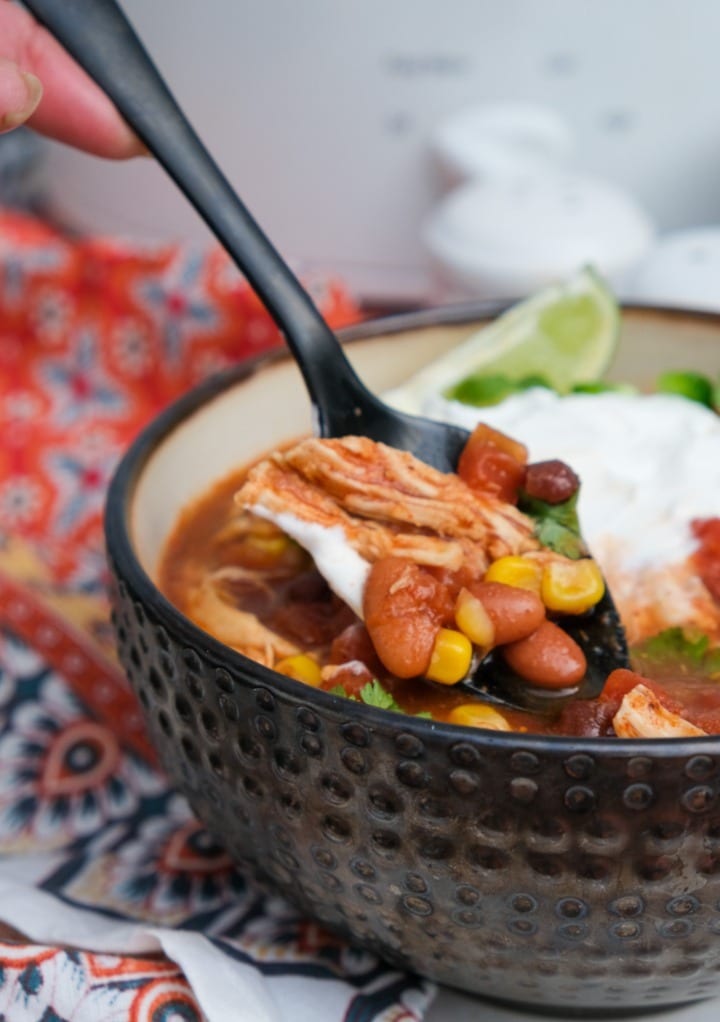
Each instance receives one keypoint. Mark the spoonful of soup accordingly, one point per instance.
(478, 578)
(99, 37)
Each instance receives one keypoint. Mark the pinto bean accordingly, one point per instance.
(552, 481)
(403, 606)
(514, 612)
(549, 658)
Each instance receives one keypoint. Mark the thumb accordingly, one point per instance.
(20, 93)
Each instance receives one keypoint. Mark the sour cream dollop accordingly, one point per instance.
(344, 570)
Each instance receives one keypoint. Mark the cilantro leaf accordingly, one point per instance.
(373, 694)
(338, 690)
(556, 525)
(481, 389)
(676, 649)
(675, 643)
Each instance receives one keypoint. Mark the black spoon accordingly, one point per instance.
(98, 35)
(102, 41)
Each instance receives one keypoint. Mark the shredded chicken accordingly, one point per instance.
(642, 715)
(237, 628)
(387, 503)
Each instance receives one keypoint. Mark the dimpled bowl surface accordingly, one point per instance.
(564, 874)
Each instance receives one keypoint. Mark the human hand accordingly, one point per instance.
(40, 85)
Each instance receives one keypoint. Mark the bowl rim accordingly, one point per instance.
(119, 547)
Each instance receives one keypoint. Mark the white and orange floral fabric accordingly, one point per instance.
(115, 904)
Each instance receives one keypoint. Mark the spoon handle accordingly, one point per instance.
(100, 38)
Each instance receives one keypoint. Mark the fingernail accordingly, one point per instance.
(33, 90)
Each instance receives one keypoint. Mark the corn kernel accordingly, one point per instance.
(571, 587)
(451, 657)
(273, 546)
(301, 667)
(478, 715)
(473, 620)
(520, 572)
(270, 551)
(257, 526)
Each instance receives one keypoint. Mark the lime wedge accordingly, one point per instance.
(566, 333)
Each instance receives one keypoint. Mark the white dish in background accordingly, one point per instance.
(337, 164)
(682, 269)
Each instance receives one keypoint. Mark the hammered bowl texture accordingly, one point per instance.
(517, 867)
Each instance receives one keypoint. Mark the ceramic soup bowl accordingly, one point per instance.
(557, 873)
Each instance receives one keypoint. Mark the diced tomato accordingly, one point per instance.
(493, 463)
(352, 677)
(707, 557)
(487, 435)
(619, 683)
(707, 531)
(622, 681)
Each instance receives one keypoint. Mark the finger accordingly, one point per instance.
(20, 93)
(72, 109)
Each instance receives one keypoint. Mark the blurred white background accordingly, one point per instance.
(324, 114)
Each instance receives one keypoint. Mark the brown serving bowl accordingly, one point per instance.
(572, 874)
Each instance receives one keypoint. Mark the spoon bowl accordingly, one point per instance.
(100, 38)
(601, 636)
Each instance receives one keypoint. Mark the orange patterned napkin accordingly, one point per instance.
(96, 851)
